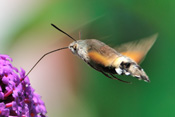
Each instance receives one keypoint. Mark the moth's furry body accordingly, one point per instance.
(109, 61)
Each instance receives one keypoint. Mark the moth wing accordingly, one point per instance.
(137, 50)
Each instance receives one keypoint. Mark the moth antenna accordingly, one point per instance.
(63, 32)
(42, 58)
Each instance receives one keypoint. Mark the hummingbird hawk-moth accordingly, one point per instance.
(123, 60)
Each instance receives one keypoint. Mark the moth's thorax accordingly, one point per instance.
(79, 48)
(84, 48)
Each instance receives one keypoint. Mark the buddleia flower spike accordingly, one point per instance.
(17, 97)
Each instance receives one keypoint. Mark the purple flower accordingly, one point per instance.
(17, 97)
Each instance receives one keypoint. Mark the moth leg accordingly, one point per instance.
(114, 77)
(106, 75)
(101, 72)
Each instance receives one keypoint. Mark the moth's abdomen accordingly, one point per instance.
(138, 72)
(126, 66)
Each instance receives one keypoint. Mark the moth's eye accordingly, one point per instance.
(75, 46)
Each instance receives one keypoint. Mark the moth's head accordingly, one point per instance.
(77, 46)
(80, 48)
(73, 47)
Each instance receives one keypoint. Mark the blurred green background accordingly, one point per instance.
(68, 86)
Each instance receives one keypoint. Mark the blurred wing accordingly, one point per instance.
(138, 49)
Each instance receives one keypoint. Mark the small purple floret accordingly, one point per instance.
(17, 97)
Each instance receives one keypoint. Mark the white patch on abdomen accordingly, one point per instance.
(119, 71)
